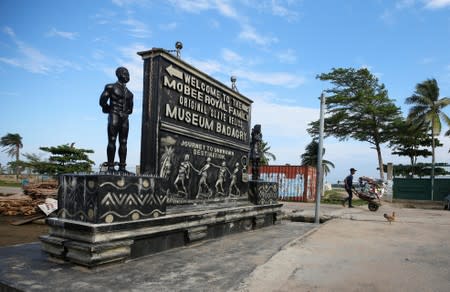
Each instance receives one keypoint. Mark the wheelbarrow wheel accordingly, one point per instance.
(373, 207)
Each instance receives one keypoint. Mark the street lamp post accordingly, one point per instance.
(319, 160)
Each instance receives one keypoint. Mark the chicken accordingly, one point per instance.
(390, 218)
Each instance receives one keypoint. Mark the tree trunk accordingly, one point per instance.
(17, 160)
(432, 162)
(412, 165)
(380, 160)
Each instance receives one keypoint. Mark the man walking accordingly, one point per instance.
(348, 185)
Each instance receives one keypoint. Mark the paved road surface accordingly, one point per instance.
(356, 251)
(362, 252)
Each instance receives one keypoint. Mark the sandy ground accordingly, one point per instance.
(10, 234)
(360, 251)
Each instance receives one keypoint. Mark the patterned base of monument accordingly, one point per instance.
(263, 192)
(92, 245)
(107, 198)
(109, 218)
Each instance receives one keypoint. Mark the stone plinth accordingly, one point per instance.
(94, 244)
(263, 192)
(107, 198)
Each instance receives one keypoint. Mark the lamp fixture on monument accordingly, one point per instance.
(233, 83)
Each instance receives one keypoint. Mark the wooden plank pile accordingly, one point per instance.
(19, 206)
(27, 203)
(41, 190)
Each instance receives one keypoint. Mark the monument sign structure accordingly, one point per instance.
(193, 184)
(195, 130)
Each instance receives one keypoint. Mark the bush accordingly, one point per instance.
(335, 196)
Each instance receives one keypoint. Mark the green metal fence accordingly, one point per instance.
(420, 188)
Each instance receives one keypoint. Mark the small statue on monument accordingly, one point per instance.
(119, 107)
(255, 150)
(234, 181)
(184, 171)
(203, 183)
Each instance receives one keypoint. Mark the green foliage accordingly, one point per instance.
(266, 155)
(9, 184)
(358, 107)
(311, 154)
(335, 197)
(412, 140)
(18, 165)
(12, 143)
(427, 108)
(63, 159)
(419, 169)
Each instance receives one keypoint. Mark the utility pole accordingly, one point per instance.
(319, 188)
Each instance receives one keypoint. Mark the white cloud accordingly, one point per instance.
(105, 17)
(137, 28)
(283, 126)
(208, 66)
(32, 60)
(194, 6)
(272, 78)
(402, 4)
(426, 61)
(98, 54)
(123, 3)
(225, 9)
(133, 62)
(286, 12)
(168, 26)
(231, 56)
(64, 34)
(287, 56)
(430, 4)
(213, 23)
(282, 121)
(9, 31)
(388, 17)
(436, 4)
(249, 33)
(6, 93)
(351, 153)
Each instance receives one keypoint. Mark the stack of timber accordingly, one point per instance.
(27, 203)
(18, 205)
(41, 190)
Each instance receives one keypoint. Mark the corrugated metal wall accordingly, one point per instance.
(420, 188)
(295, 182)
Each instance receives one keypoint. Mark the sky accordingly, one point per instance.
(56, 56)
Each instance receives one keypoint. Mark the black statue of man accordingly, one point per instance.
(255, 150)
(119, 107)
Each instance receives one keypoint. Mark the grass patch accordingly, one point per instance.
(335, 197)
(10, 184)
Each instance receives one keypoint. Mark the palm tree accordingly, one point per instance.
(12, 144)
(310, 157)
(427, 108)
(265, 154)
